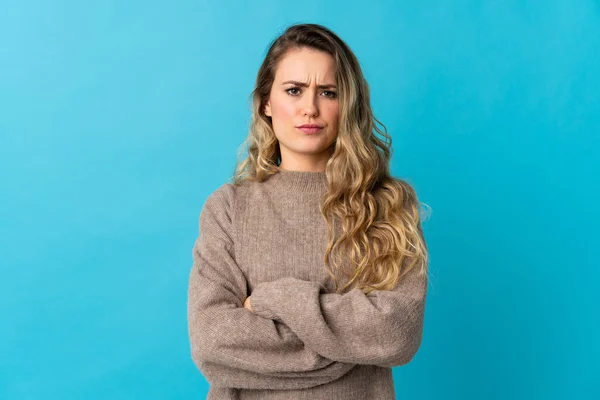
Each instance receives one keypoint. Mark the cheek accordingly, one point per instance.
(333, 114)
(281, 108)
(288, 110)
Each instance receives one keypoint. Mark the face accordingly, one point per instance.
(304, 92)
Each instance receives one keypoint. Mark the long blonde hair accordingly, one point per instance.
(380, 216)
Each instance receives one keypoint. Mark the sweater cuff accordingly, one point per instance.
(259, 301)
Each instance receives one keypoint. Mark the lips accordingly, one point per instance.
(310, 130)
(309, 126)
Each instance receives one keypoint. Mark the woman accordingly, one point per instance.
(310, 270)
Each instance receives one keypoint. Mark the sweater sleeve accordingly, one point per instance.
(230, 345)
(383, 328)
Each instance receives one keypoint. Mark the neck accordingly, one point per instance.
(300, 181)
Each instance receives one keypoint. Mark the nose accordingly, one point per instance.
(310, 106)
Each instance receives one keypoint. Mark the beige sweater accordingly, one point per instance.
(302, 340)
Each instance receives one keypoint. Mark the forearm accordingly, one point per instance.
(231, 344)
(225, 376)
(383, 329)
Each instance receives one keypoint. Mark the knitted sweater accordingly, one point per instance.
(302, 340)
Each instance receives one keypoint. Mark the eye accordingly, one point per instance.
(329, 93)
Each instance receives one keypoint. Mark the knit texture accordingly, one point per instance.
(301, 341)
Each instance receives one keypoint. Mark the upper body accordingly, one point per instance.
(301, 340)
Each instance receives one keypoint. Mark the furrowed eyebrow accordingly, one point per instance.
(302, 84)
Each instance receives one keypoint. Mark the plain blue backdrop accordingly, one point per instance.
(118, 119)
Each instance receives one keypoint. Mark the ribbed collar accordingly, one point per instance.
(300, 181)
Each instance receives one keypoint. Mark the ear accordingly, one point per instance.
(268, 108)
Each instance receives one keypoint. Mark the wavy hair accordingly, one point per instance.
(372, 217)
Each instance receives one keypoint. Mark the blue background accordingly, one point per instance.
(118, 119)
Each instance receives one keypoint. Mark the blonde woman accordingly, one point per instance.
(310, 270)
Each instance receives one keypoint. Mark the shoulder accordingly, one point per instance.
(221, 201)
(223, 196)
(228, 202)
(217, 214)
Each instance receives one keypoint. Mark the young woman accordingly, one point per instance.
(310, 270)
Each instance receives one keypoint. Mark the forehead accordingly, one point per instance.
(306, 65)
